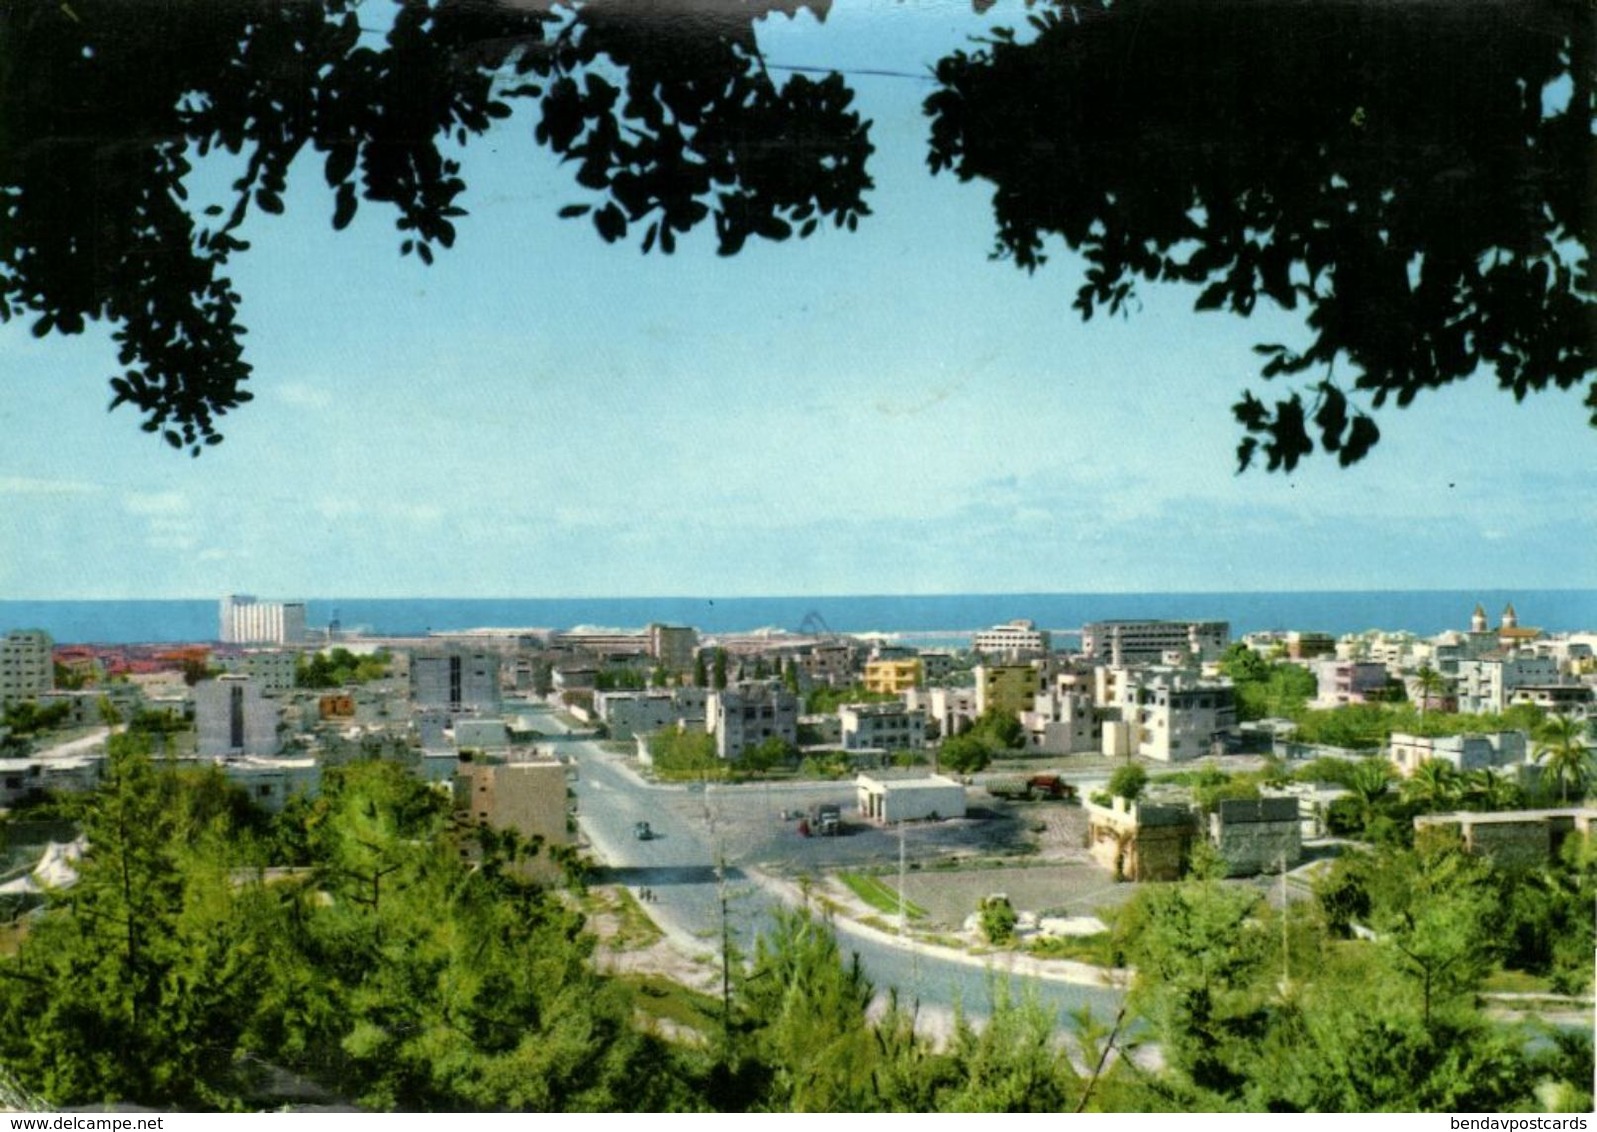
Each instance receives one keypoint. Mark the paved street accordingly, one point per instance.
(764, 857)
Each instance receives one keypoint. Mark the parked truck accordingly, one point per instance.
(826, 818)
(1023, 788)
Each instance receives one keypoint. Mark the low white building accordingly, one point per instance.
(1462, 752)
(889, 800)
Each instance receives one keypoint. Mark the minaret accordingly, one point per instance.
(1477, 622)
(1510, 618)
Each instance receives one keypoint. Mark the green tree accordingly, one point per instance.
(1430, 684)
(1433, 786)
(1564, 753)
(964, 754)
(1128, 782)
(802, 1013)
(718, 670)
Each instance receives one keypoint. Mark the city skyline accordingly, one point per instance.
(885, 411)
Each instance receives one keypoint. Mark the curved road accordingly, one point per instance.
(694, 829)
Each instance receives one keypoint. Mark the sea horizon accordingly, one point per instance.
(1421, 611)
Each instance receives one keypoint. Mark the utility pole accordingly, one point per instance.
(903, 916)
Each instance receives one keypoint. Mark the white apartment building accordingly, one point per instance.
(747, 714)
(1142, 642)
(456, 680)
(1016, 640)
(233, 717)
(246, 621)
(1342, 682)
(27, 665)
(883, 727)
(1171, 716)
(1486, 684)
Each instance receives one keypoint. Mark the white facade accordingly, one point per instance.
(746, 715)
(1342, 682)
(456, 681)
(1018, 640)
(1485, 684)
(232, 717)
(1127, 642)
(245, 621)
(1462, 752)
(909, 799)
(884, 726)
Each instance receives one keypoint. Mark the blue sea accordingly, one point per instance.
(939, 619)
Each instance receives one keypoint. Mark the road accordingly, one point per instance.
(741, 827)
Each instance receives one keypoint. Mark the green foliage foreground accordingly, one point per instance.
(399, 975)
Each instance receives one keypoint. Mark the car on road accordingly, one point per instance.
(642, 832)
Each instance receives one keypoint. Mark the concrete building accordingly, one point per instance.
(1307, 646)
(527, 796)
(1175, 717)
(1139, 841)
(1570, 698)
(889, 800)
(1514, 839)
(1485, 684)
(1062, 723)
(456, 680)
(481, 735)
(632, 713)
(882, 727)
(1343, 682)
(246, 621)
(27, 665)
(673, 647)
(1146, 642)
(1015, 641)
(831, 663)
(25, 778)
(273, 669)
(1008, 688)
(233, 717)
(946, 709)
(1257, 835)
(893, 677)
(270, 782)
(747, 714)
(1462, 752)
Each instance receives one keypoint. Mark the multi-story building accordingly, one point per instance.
(1018, 640)
(1062, 722)
(946, 709)
(632, 713)
(1008, 688)
(273, 669)
(233, 717)
(747, 714)
(1486, 683)
(528, 797)
(456, 680)
(246, 621)
(1307, 646)
(884, 727)
(1342, 682)
(1146, 642)
(27, 666)
(673, 647)
(830, 663)
(892, 677)
(1172, 716)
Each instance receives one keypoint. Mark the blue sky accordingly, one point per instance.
(539, 414)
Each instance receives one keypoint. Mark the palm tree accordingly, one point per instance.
(1369, 782)
(1433, 786)
(1428, 682)
(1561, 746)
(1491, 791)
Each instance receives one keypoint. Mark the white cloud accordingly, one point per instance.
(157, 503)
(26, 485)
(304, 396)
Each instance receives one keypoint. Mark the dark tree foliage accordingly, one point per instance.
(1389, 167)
(106, 107)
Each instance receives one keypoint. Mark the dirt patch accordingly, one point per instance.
(630, 944)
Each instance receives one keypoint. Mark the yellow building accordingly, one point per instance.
(1009, 688)
(891, 677)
